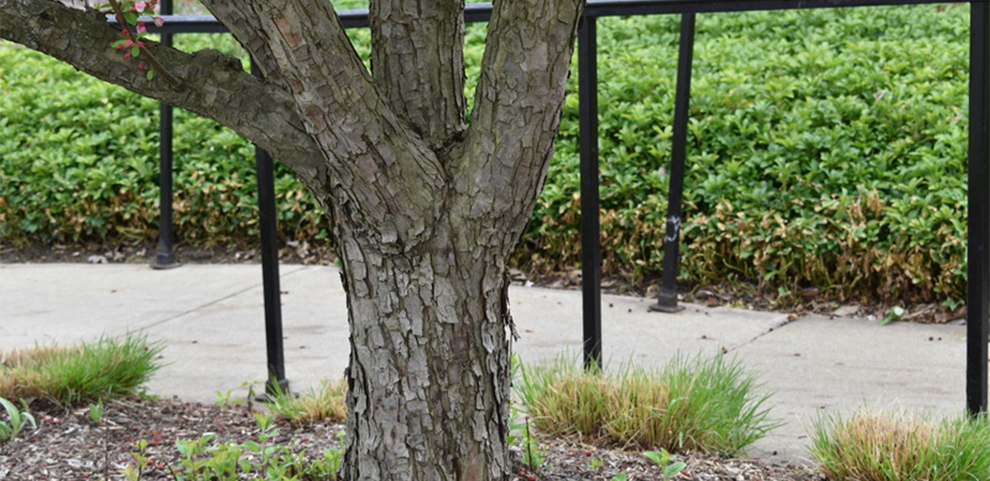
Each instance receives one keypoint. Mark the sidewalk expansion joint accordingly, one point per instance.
(791, 319)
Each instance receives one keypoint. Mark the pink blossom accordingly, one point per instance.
(130, 43)
(141, 5)
(159, 21)
(127, 56)
(141, 28)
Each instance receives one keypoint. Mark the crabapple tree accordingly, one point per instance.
(425, 206)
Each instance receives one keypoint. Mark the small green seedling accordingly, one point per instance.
(895, 313)
(134, 471)
(333, 458)
(226, 399)
(96, 412)
(664, 459)
(16, 420)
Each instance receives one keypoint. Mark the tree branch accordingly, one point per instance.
(518, 102)
(213, 85)
(417, 54)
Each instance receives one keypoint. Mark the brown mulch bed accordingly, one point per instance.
(71, 446)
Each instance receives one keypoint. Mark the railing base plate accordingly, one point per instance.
(271, 391)
(165, 261)
(665, 308)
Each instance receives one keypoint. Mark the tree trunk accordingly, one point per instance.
(425, 210)
(429, 366)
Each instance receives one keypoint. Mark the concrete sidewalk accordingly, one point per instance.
(211, 320)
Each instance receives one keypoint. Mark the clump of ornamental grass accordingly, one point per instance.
(706, 404)
(324, 404)
(900, 447)
(105, 369)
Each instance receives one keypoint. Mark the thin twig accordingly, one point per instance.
(529, 448)
(155, 65)
(171, 471)
(106, 451)
(922, 312)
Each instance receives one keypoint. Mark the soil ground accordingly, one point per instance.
(69, 444)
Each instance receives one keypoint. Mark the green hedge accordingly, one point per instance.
(826, 148)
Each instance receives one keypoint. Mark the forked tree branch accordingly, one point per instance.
(383, 174)
(244, 24)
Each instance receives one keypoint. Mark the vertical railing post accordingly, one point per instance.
(165, 252)
(276, 382)
(667, 298)
(591, 252)
(978, 295)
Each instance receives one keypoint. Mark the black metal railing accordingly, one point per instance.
(978, 295)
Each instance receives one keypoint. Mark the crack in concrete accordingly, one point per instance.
(761, 335)
(216, 301)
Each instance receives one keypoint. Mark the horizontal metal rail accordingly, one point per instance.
(608, 8)
(481, 12)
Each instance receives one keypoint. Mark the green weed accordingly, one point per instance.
(663, 459)
(203, 459)
(16, 420)
(96, 411)
(225, 399)
(523, 440)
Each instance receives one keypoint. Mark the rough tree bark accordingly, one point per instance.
(425, 209)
